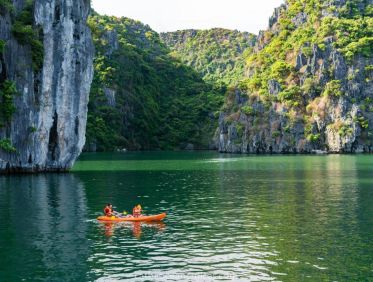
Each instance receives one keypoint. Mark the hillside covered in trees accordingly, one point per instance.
(309, 83)
(217, 54)
(142, 97)
(303, 85)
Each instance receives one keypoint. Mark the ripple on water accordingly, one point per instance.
(240, 218)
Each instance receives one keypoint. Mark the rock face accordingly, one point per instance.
(320, 101)
(47, 129)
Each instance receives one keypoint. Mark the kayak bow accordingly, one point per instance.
(157, 217)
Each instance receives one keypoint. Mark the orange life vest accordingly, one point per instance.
(136, 212)
(108, 211)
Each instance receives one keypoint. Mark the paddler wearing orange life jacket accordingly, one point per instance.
(136, 212)
(108, 210)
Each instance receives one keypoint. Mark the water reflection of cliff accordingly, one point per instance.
(43, 225)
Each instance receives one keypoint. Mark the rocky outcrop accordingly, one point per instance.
(47, 129)
(324, 103)
(111, 37)
(110, 96)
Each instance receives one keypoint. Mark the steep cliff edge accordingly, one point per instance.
(45, 76)
(309, 83)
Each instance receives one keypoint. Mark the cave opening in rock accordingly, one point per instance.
(76, 129)
(53, 138)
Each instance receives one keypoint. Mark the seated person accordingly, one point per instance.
(108, 210)
(136, 212)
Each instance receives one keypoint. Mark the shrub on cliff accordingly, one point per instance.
(26, 33)
(7, 109)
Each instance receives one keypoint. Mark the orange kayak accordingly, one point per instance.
(157, 217)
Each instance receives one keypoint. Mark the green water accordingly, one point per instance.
(230, 217)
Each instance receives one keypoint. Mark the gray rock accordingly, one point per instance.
(240, 98)
(339, 65)
(48, 128)
(189, 147)
(110, 96)
(111, 37)
(300, 61)
(276, 16)
(341, 124)
(274, 87)
(299, 19)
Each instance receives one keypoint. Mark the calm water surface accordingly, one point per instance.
(230, 217)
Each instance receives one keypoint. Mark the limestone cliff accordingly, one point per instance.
(309, 85)
(45, 76)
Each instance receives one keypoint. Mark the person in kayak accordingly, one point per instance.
(108, 210)
(136, 212)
